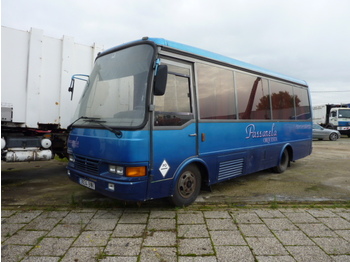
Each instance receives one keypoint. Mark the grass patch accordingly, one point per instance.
(64, 160)
(101, 255)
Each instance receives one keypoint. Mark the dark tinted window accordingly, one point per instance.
(253, 97)
(282, 98)
(216, 92)
(302, 103)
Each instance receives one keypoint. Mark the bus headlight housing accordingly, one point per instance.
(119, 170)
(131, 171)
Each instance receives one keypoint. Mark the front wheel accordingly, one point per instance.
(283, 163)
(333, 136)
(187, 187)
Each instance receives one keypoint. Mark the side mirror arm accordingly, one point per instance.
(72, 82)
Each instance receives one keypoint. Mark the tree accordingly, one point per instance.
(280, 100)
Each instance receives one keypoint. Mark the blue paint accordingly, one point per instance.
(227, 149)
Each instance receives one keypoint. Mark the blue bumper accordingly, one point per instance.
(123, 190)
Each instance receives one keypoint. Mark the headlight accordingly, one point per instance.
(119, 170)
(71, 158)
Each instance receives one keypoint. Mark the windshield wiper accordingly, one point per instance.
(69, 128)
(117, 133)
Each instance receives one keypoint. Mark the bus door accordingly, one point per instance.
(174, 134)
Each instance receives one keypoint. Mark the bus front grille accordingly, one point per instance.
(231, 168)
(86, 165)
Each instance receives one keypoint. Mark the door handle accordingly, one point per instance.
(192, 134)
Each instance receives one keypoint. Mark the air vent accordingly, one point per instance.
(230, 169)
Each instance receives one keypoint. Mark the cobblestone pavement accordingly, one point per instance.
(183, 235)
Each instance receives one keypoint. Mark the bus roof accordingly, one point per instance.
(219, 58)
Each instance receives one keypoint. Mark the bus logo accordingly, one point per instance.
(267, 135)
(74, 143)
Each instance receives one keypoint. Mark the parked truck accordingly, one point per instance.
(333, 116)
(36, 108)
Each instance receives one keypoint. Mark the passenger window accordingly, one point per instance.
(283, 100)
(302, 103)
(253, 97)
(216, 93)
(174, 107)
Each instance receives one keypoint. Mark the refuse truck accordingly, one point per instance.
(36, 108)
(333, 116)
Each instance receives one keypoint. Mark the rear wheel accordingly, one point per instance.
(187, 186)
(333, 136)
(283, 163)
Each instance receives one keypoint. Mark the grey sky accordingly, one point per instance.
(306, 39)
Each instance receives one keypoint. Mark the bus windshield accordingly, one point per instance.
(116, 90)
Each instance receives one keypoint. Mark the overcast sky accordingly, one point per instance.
(306, 39)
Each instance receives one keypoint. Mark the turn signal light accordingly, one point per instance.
(135, 171)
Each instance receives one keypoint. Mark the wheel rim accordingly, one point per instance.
(187, 184)
(333, 136)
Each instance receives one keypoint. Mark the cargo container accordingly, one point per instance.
(36, 108)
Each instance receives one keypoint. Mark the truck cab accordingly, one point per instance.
(340, 119)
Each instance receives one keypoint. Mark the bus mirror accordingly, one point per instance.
(160, 80)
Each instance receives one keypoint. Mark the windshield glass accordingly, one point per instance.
(116, 90)
(344, 113)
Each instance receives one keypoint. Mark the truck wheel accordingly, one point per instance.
(283, 163)
(187, 186)
(333, 136)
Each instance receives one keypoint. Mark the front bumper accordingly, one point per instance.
(122, 190)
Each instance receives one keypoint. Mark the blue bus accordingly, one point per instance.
(162, 119)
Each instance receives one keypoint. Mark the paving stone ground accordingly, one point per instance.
(181, 235)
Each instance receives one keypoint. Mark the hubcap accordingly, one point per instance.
(187, 184)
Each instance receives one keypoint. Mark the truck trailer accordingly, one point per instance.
(36, 108)
(333, 116)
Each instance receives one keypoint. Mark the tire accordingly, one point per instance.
(187, 187)
(283, 162)
(333, 136)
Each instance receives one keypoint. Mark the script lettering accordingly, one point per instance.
(252, 132)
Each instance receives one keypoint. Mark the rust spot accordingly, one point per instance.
(57, 103)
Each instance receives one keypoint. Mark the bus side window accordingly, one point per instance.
(302, 103)
(216, 93)
(174, 107)
(253, 97)
(283, 101)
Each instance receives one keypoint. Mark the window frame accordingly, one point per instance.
(192, 99)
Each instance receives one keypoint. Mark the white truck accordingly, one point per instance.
(36, 107)
(333, 116)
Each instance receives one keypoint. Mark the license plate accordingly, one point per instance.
(87, 183)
